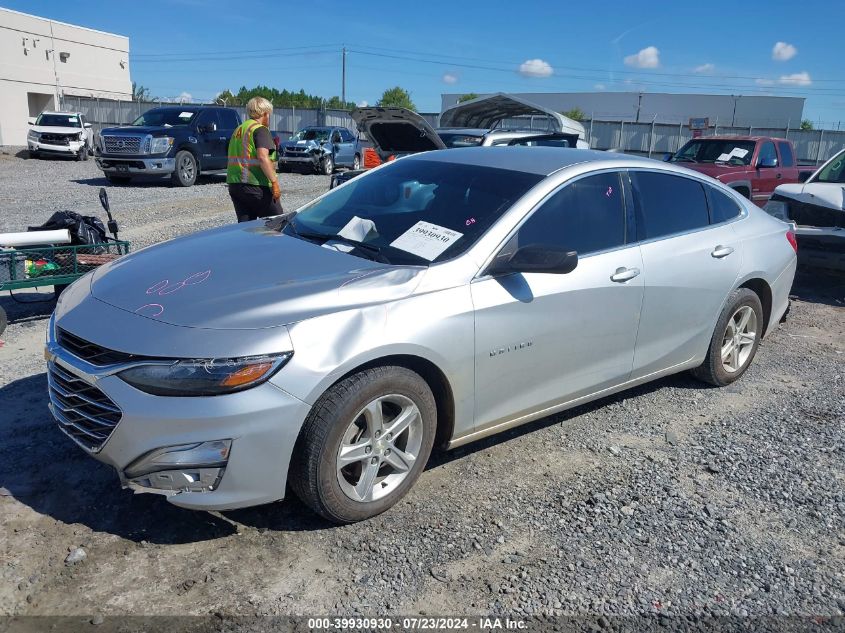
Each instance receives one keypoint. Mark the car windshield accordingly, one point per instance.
(58, 120)
(311, 134)
(413, 211)
(165, 117)
(715, 151)
(455, 139)
(834, 171)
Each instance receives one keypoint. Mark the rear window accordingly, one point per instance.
(667, 204)
(722, 206)
(786, 157)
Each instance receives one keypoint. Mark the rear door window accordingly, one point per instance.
(229, 119)
(586, 216)
(665, 204)
(722, 206)
(786, 157)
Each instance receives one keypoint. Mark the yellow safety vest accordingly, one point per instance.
(243, 165)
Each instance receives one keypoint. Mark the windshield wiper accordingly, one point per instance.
(375, 251)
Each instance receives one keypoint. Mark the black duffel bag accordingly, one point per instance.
(84, 229)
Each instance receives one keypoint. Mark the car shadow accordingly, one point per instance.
(28, 307)
(150, 181)
(817, 285)
(678, 381)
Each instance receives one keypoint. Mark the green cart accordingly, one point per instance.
(56, 266)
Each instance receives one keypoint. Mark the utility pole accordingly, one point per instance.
(343, 83)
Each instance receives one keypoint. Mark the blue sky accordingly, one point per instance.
(200, 47)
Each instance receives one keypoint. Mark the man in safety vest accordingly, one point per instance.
(251, 171)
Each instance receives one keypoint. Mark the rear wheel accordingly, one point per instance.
(185, 174)
(365, 443)
(735, 339)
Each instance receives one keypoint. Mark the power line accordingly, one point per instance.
(229, 51)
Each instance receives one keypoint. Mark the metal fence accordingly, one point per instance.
(650, 139)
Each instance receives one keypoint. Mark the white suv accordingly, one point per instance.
(62, 133)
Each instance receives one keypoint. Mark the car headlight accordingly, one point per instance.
(204, 377)
(777, 209)
(161, 145)
(99, 141)
(32, 135)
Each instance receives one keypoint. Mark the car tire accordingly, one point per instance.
(356, 162)
(736, 338)
(118, 180)
(359, 411)
(83, 154)
(327, 166)
(185, 174)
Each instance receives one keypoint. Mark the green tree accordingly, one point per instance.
(397, 97)
(467, 97)
(227, 98)
(806, 124)
(140, 93)
(576, 114)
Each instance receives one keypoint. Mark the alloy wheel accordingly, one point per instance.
(379, 448)
(186, 167)
(738, 340)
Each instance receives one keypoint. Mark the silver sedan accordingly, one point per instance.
(434, 300)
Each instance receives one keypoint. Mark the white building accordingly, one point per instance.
(41, 60)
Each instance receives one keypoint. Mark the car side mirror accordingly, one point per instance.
(536, 258)
(209, 127)
(87, 126)
(767, 162)
(667, 157)
(804, 176)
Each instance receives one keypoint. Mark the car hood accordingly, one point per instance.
(823, 194)
(141, 129)
(713, 170)
(305, 144)
(54, 129)
(245, 276)
(396, 131)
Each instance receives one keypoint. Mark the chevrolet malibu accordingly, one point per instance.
(434, 300)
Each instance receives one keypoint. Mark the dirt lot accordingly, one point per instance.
(672, 499)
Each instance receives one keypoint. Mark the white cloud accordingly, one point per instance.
(362, 104)
(184, 96)
(649, 57)
(765, 82)
(599, 87)
(704, 68)
(450, 78)
(536, 68)
(782, 51)
(796, 79)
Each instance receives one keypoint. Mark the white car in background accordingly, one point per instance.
(60, 133)
(817, 210)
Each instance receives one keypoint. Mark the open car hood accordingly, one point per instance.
(396, 131)
(485, 112)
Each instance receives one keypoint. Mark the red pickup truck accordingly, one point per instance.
(753, 165)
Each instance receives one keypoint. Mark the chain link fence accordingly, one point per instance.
(650, 139)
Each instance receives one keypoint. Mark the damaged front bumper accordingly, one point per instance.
(821, 247)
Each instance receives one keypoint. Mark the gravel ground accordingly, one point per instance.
(672, 500)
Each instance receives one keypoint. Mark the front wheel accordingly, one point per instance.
(186, 169)
(327, 166)
(735, 339)
(364, 444)
(83, 153)
(356, 163)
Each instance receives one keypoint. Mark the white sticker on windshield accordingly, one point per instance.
(739, 152)
(186, 115)
(71, 118)
(723, 158)
(358, 229)
(426, 240)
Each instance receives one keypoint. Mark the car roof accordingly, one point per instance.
(535, 160)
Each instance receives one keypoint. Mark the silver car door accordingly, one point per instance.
(543, 339)
(689, 267)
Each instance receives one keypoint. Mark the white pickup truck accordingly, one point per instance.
(60, 133)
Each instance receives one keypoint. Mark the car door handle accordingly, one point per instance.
(779, 176)
(223, 138)
(624, 274)
(721, 251)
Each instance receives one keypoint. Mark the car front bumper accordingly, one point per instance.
(262, 424)
(821, 247)
(126, 165)
(71, 149)
(311, 160)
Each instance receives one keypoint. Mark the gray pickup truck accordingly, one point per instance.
(320, 150)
